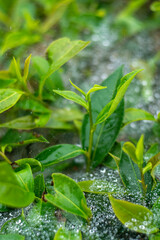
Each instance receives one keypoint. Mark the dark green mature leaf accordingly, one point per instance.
(100, 187)
(134, 114)
(156, 212)
(25, 177)
(12, 237)
(134, 216)
(73, 97)
(122, 88)
(64, 234)
(10, 185)
(58, 153)
(69, 196)
(15, 138)
(8, 98)
(129, 173)
(35, 106)
(106, 133)
(39, 185)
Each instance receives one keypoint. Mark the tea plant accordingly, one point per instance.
(101, 124)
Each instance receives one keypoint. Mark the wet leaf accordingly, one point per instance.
(69, 196)
(106, 133)
(129, 173)
(154, 236)
(58, 153)
(134, 216)
(64, 234)
(134, 114)
(10, 185)
(100, 187)
(139, 151)
(73, 97)
(8, 98)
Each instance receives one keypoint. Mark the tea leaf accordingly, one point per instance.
(139, 151)
(4, 208)
(95, 88)
(26, 68)
(155, 6)
(73, 97)
(8, 98)
(124, 84)
(15, 39)
(10, 185)
(154, 236)
(106, 133)
(58, 153)
(69, 196)
(134, 216)
(13, 236)
(134, 114)
(129, 173)
(130, 149)
(6, 82)
(78, 89)
(35, 106)
(25, 177)
(64, 234)
(14, 138)
(39, 185)
(17, 70)
(99, 187)
(60, 52)
(34, 164)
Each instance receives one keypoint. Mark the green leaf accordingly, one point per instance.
(125, 82)
(113, 158)
(73, 97)
(100, 187)
(60, 52)
(156, 212)
(106, 133)
(12, 237)
(134, 216)
(95, 88)
(15, 39)
(25, 177)
(154, 236)
(139, 151)
(35, 106)
(17, 69)
(64, 234)
(129, 173)
(6, 82)
(39, 185)
(58, 153)
(8, 98)
(78, 89)
(34, 164)
(155, 6)
(4, 208)
(151, 152)
(10, 185)
(69, 196)
(134, 114)
(130, 149)
(15, 138)
(26, 68)
(27, 122)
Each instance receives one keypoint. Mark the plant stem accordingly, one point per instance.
(91, 131)
(5, 157)
(143, 183)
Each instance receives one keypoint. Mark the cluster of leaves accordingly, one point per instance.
(104, 118)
